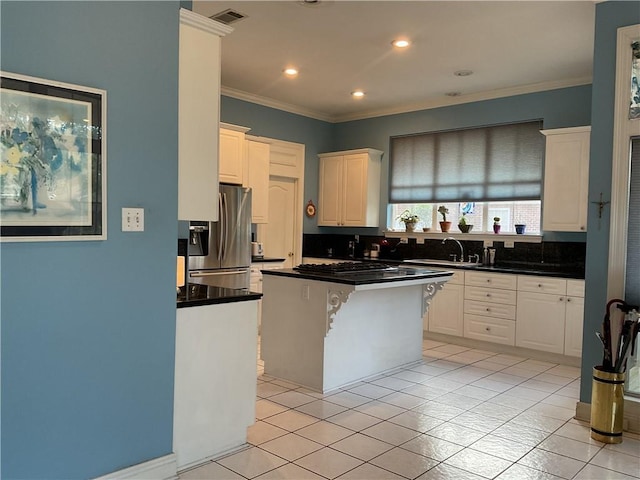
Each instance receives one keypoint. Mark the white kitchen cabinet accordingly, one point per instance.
(574, 319)
(566, 178)
(490, 307)
(233, 167)
(198, 116)
(540, 321)
(446, 312)
(215, 380)
(349, 188)
(258, 179)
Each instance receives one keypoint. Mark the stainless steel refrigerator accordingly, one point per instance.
(220, 252)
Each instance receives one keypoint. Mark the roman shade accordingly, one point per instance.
(491, 163)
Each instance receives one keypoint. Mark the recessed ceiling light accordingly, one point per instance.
(401, 43)
(357, 94)
(291, 72)
(463, 73)
(453, 94)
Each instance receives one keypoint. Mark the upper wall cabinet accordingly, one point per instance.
(233, 168)
(349, 188)
(566, 179)
(258, 178)
(198, 113)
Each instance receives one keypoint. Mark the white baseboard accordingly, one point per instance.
(161, 468)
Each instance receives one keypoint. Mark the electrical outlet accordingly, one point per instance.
(133, 219)
(404, 240)
(419, 240)
(488, 243)
(508, 244)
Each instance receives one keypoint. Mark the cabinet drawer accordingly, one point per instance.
(528, 283)
(490, 309)
(494, 330)
(575, 288)
(492, 280)
(491, 295)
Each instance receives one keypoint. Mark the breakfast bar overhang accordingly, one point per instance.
(326, 330)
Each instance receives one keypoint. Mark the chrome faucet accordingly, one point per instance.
(459, 245)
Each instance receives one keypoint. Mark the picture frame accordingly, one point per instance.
(52, 160)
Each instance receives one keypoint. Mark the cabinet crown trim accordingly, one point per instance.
(370, 151)
(235, 128)
(187, 17)
(564, 131)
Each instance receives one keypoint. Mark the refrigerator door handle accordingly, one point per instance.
(196, 273)
(221, 226)
(224, 214)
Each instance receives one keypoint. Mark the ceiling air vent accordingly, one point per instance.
(227, 16)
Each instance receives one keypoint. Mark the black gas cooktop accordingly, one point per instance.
(344, 268)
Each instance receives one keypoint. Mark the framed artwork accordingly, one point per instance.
(52, 160)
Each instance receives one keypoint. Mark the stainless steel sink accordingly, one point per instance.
(442, 263)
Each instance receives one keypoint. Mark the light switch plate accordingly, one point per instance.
(133, 219)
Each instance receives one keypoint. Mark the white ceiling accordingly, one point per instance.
(340, 46)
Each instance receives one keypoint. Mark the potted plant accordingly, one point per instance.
(496, 224)
(520, 227)
(463, 225)
(409, 219)
(444, 225)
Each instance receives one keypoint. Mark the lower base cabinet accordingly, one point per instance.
(528, 311)
(540, 320)
(215, 380)
(445, 314)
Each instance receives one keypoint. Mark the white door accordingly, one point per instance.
(279, 234)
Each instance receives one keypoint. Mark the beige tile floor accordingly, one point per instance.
(460, 414)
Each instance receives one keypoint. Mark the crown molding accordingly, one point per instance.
(187, 17)
(469, 98)
(425, 105)
(269, 102)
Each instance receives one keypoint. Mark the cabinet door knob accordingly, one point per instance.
(488, 309)
(562, 299)
(488, 280)
(488, 329)
(488, 294)
(568, 299)
(539, 285)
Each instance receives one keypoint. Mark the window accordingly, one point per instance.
(496, 171)
(480, 216)
(496, 163)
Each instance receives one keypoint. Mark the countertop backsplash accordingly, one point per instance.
(551, 256)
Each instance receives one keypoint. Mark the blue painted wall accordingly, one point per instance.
(88, 328)
(316, 135)
(568, 107)
(609, 17)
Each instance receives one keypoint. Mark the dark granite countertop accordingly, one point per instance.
(517, 268)
(402, 273)
(195, 295)
(266, 259)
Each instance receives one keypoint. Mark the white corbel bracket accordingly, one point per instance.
(428, 292)
(335, 300)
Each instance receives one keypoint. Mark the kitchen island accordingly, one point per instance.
(326, 329)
